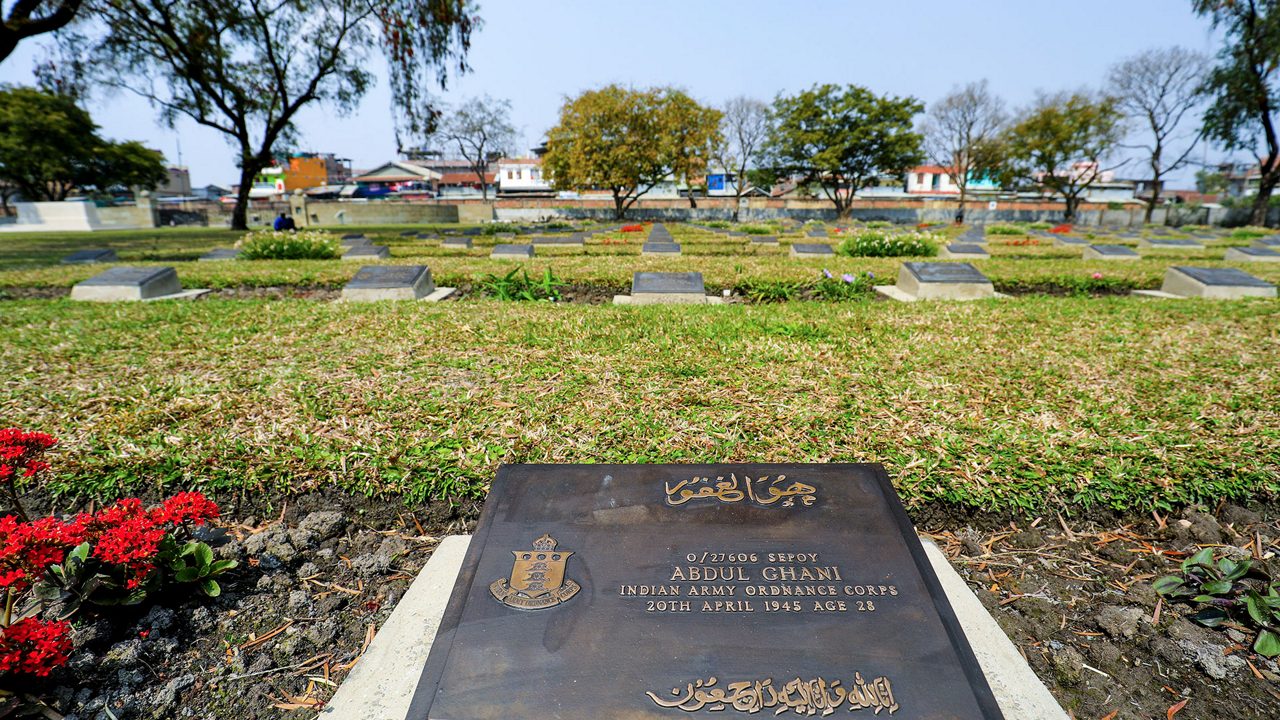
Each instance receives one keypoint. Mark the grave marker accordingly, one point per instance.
(938, 281)
(220, 254)
(367, 252)
(456, 243)
(1158, 243)
(511, 252)
(664, 591)
(91, 255)
(123, 284)
(764, 239)
(393, 282)
(1251, 254)
(1110, 252)
(811, 249)
(964, 251)
(1181, 281)
(660, 248)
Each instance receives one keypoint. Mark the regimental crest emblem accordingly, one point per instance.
(537, 578)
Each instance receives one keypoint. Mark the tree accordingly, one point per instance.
(960, 131)
(691, 132)
(50, 147)
(27, 18)
(1060, 142)
(1244, 87)
(841, 138)
(744, 129)
(246, 68)
(482, 132)
(1157, 89)
(1210, 182)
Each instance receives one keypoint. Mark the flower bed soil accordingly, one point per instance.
(314, 585)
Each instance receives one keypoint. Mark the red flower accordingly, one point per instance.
(28, 549)
(1060, 229)
(21, 451)
(34, 647)
(186, 507)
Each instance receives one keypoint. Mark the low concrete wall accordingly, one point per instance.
(124, 217)
(312, 213)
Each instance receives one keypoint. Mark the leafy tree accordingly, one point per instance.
(1158, 89)
(960, 132)
(1060, 142)
(744, 129)
(841, 138)
(1210, 182)
(27, 18)
(627, 141)
(1244, 87)
(691, 132)
(481, 131)
(50, 147)
(246, 68)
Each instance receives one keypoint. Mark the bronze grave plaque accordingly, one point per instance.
(662, 591)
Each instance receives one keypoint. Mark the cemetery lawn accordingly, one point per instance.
(1069, 404)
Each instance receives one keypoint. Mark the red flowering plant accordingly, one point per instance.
(50, 567)
(1061, 229)
(632, 228)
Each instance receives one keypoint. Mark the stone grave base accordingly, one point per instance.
(110, 293)
(949, 255)
(381, 685)
(380, 294)
(962, 292)
(667, 299)
(1236, 255)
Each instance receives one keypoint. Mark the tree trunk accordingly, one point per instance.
(960, 208)
(1262, 201)
(737, 203)
(619, 208)
(693, 202)
(1152, 202)
(1069, 215)
(240, 213)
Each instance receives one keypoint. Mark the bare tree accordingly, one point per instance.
(744, 127)
(481, 131)
(960, 131)
(1157, 89)
(33, 17)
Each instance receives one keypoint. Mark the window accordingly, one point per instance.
(519, 173)
(508, 174)
(919, 178)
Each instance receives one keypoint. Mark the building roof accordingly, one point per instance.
(520, 161)
(398, 171)
(935, 169)
(465, 178)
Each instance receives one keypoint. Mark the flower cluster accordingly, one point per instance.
(1061, 229)
(27, 549)
(20, 453)
(632, 228)
(34, 647)
(1030, 241)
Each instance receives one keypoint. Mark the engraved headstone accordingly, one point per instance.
(220, 254)
(426, 236)
(456, 243)
(389, 282)
(90, 255)
(938, 281)
(557, 240)
(660, 248)
(664, 591)
(1251, 254)
(764, 239)
(809, 249)
(131, 283)
(353, 236)
(1161, 243)
(511, 252)
(1110, 252)
(1069, 241)
(964, 251)
(816, 232)
(367, 252)
(408, 233)
(1272, 242)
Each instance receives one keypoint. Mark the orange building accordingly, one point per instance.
(311, 170)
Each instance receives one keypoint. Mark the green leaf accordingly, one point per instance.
(1257, 607)
(1167, 584)
(187, 574)
(1210, 617)
(222, 566)
(1217, 587)
(204, 554)
(79, 553)
(1267, 645)
(210, 587)
(1202, 558)
(1232, 570)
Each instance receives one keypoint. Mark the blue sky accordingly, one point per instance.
(536, 53)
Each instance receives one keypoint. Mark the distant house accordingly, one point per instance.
(312, 170)
(522, 176)
(936, 180)
(466, 184)
(398, 178)
(1242, 179)
(177, 183)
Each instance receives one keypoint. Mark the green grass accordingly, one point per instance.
(1033, 403)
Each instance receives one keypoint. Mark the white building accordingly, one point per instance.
(522, 176)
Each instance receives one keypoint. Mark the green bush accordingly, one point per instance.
(880, 244)
(289, 245)
(1040, 226)
(495, 228)
(1005, 230)
(517, 285)
(879, 224)
(718, 224)
(845, 287)
(1251, 233)
(762, 291)
(757, 230)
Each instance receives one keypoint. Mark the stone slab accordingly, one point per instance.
(353, 236)
(1251, 254)
(1215, 283)
(456, 243)
(367, 252)
(764, 239)
(1268, 243)
(389, 282)
(667, 283)
(963, 251)
(511, 252)
(408, 233)
(556, 599)
(554, 241)
(129, 283)
(1169, 244)
(942, 281)
(220, 254)
(815, 232)
(660, 248)
(91, 255)
(801, 249)
(1069, 241)
(1110, 252)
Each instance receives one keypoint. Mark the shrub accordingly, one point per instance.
(764, 291)
(496, 228)
(517, 285)
(879, 244)
(1039, 226)
(846, 287)
(289, 245)
(1005, 230)
(757, 229)
(878, 224)
(1062, 229)
(718, 224)
(632, 228)
(1250, 233)
(1229, 592)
